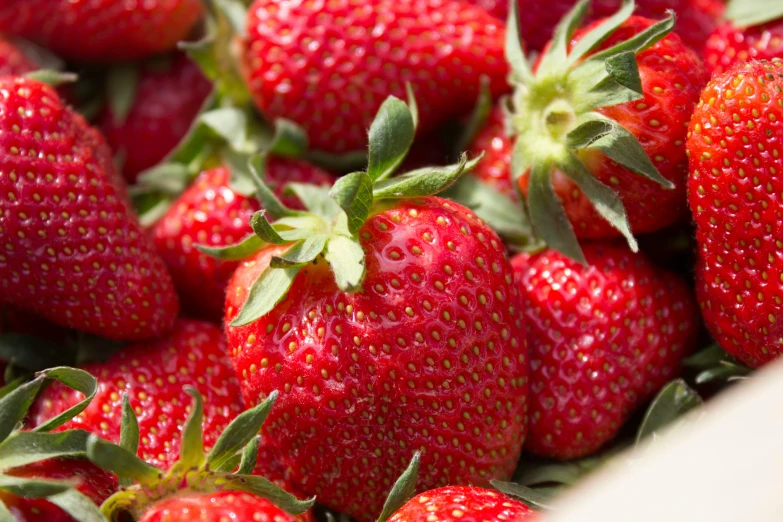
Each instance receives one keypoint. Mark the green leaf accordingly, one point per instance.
(235, 13)
(515, 53)
(289, 140)
(192, 449)
(477, 118)
(14, 406)
(32, 488)
(76, 379)
(129, 433)
(122, 83)
(228, 123)
(26, 447)
(605, 200)
(624, 69)
(708, 357)
(268, 290)
(33, 353)
(424, 182)
(79, 506)
(302, 253)
(316, 199)
(639, 42)
(51, 77)
(412, 105)
(241, 431)
(594, 38)
(354, 194)
(229, 465)
(532, 497)
(556, 58)
(391, 136)
(745, 13)
(548, 216)
(674, 400)
(249, 457)
(121, 462)
(261, 487)
(566, 473)
(623, 147)
(236, 252)
(402, 490)
(346, 257)
(169, 178)
(723, 372)
(264, 230)
(274, 207)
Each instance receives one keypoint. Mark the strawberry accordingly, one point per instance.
(218, 507)
(609, 155)
(101, 30)
(13, 60)
(94, 482)
(211, 212)
(732, 143)
(328, 66)
(751, 32)
(387, 321)
(168, 96)
(493, 139)
(153, 375)
(695, 18)
(71, 248)
(604, 338)
(460, 503)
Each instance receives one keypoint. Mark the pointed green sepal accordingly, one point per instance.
(641, 41)
(345, 256)
(745, 13)
(269, 201)
(521, 72)
(316, 199)
(122, 83)
(26, 447)
(236, 252)
(192, 447)
(52, 78)
(590, 41)
(76, 379)
(289, 139)
(249, 456)
(229, 124)
(301, 253)
(121, 462)
(129, 433)
(354, 193)
(424, 182)
(412, 105)
(403, 489)
(529, 496)
(33, 488)
(263, 229)
(262, 487)
(674, 399)
(268, 290)
(168, 178)
(391, 136)
(477, 118)
(79, 506)
(241, 431)
(556, 58)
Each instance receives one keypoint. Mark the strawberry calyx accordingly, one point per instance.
(747, 14)
(20, 447)
(328, 230)
(227, 466)
(554, 117)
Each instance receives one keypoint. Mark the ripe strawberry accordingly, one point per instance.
(101, 30)
(695, 18)
(219, 507)
(497, 146)
(167, 98)
(730, 44)
(608, 167)
(732, 143)
(604, 338)
(460, 503)
(153, 375)
(71, 248)
(13, 61)
(346, 58)
(94, 482)
(210, 212)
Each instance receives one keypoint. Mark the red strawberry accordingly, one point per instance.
(13, 61)
(167, 98)
(594, 177)
(101, 30)
(94, 482)
(733, 192)
(328, 65)
(604, 338)
(730, 44)
(71, 248)
(695, 18)
(462, 503)
(219, 507)
(431, 343)
(153, 375)
(497, 146)
(210, 212)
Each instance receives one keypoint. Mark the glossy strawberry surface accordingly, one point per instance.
(101, 30)
(168, 97)
(430, 355)
(211, 213)
(464, 504)
(328, 65)
(734, 193)
(71, 247)
(219, 507)
(603, 339)
(154, 375)
(496, 143)
(729, 44)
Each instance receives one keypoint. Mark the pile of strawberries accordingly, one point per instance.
(417, 260)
